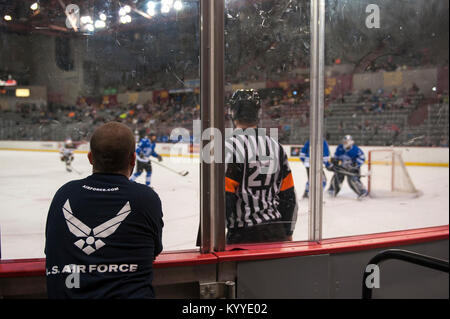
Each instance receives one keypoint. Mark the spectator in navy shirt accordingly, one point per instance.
(104, 232)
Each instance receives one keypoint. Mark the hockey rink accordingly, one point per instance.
(28, 181)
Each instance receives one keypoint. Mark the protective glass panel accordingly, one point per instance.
(386, 116)
(68, 67)
(267, 58)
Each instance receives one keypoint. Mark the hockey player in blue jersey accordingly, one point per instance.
(347, 161)
(304, 157)
(144, 150)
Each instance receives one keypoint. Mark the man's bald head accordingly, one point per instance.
(112, 148)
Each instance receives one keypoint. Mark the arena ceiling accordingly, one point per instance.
(50, 16)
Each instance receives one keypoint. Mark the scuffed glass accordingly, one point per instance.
(267, 56)
(68, 67)
(386, 87)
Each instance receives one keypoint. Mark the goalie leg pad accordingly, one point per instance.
(356, 185)
(336, 183)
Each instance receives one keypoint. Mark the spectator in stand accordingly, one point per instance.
(414, 89)
(443, 142)
(396, 131)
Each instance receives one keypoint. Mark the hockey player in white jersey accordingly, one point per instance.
(66, 154)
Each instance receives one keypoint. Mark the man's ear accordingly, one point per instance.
(132, 164)
(90, 158)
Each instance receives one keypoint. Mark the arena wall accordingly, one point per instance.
(38, 96)
(425, 79)
(65, 86)
(412, 156)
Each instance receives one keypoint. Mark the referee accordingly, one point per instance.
(261, 204)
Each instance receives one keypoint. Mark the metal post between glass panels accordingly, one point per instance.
(212, 116)
(205, 92)
(218, 121)
(316, 119)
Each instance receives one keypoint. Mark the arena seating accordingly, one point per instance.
(372, 119)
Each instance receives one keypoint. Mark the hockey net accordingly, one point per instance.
(388, 175)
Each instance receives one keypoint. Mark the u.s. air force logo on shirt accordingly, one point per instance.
(90, 241)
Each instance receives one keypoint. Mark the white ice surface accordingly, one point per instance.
(28, 181)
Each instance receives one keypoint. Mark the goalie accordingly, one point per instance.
(347, 161)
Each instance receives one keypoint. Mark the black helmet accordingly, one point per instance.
(245, 106)
(142, 133)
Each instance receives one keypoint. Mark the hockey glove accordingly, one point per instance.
(354, 168)
(160, 158)
(334, 161)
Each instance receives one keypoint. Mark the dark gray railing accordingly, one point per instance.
(404, 255)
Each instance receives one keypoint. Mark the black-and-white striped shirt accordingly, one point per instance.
(257, 171)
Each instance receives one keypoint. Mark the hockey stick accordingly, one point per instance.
(344, 172)
(182, 173)
(75, 170)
